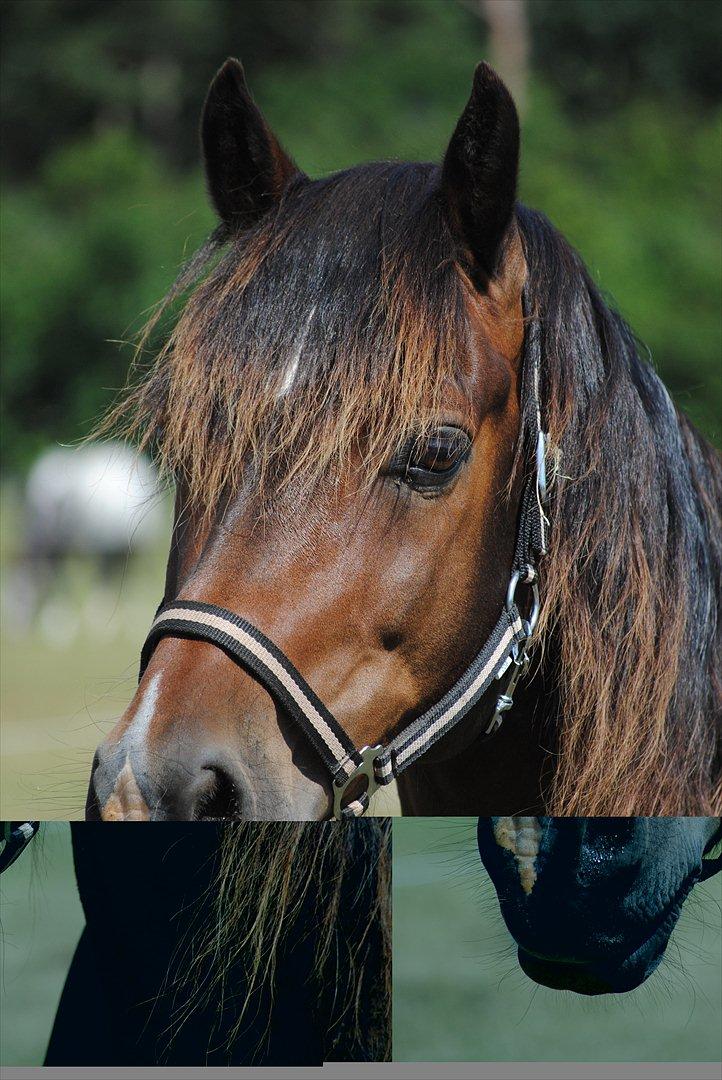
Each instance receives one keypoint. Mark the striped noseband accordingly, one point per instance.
(357, 773)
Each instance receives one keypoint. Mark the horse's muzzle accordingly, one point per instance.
(583, 977)
(189, 787)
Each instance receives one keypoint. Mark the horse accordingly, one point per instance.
(95, 501)
(591, 902)
(401, 422)
(255, 943)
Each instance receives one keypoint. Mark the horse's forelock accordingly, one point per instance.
(328, 331)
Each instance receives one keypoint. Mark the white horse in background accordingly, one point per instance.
(99, 502)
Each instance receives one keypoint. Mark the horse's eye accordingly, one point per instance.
(430, 463)
(436, 456)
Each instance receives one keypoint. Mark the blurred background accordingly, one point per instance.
(460, 995)
(103, 198)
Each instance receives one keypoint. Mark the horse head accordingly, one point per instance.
(591, 902)
(339, 408)
(347, 407)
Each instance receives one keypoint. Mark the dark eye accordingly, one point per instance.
(430, 463)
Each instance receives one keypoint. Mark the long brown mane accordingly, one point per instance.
(632, 583)
(277, 882)
(350, 285)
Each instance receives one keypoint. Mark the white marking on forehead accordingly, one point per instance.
(520, 836)
(137, 731)
(291, 371)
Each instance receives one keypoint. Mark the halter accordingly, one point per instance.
(504, 655)
(16, 835)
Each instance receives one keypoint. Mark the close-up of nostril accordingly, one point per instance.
(391, 639)
(221, 799)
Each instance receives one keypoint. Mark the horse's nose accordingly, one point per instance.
(193, 787)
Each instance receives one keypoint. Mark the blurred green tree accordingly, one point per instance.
(103, 195)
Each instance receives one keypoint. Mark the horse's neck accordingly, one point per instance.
(506, 774)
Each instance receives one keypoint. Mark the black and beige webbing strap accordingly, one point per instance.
(245, 643)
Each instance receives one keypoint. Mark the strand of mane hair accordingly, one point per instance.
(631, 624)
(269, 875)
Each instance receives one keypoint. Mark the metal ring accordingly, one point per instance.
(530, 623)
(368, 755)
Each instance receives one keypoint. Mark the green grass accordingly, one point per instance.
(459, 994)
(41, 921)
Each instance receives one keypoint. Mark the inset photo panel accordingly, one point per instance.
(197, 944)
(557, 939)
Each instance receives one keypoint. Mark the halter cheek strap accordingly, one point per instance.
(503, 656)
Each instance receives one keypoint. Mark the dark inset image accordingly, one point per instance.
(236, 944)
(561, 939)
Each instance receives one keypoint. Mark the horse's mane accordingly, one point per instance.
(280, 882)
(322, 336)
(631, 584)
(351, 287)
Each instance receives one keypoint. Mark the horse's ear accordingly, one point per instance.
(246, 167)
(480, 170)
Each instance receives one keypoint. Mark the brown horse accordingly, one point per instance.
(345, 405)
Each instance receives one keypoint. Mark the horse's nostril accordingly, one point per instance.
(391, 639)
(222, 798)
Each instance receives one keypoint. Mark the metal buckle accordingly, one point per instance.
(368, 755)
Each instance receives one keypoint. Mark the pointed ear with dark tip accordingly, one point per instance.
(246, 168)
(480, 170)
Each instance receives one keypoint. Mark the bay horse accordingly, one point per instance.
(591, 902)
(263, 943)
(394, 405)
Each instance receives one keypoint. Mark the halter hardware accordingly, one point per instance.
(517, 666)
(16, 835)
(518, 661)
(504, 654)
(366, 767)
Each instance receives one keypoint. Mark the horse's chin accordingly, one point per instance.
(590, 979)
